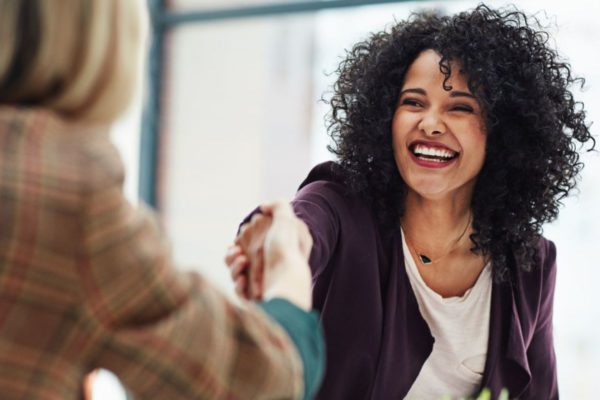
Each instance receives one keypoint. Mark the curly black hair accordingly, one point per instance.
(533, 122)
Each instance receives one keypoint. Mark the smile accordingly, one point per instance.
(432, 155)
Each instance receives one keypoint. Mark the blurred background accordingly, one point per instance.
(230, 115)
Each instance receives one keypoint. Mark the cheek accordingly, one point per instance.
(481, 142)
(477, 144)
(399, 149)
(399, 129)
(474, 133)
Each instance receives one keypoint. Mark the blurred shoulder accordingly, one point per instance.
(41, 147)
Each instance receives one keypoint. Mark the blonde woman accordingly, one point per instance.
(85, 278)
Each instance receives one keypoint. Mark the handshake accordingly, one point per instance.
(269, 257)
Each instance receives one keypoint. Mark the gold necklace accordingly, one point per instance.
(426, 260)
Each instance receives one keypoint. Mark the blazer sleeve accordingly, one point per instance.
(541, 356)
(169, 335)
(316, 204)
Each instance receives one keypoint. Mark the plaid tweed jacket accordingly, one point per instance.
(86, 282)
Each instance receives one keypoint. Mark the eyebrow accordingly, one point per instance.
(461, 94)
(415, 90)
(453, 93)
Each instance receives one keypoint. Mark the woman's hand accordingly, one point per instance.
(270, 256)
(245, 257)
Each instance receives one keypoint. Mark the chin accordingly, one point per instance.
(429, 188)
(430, 193)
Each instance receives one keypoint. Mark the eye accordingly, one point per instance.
(411, 102)
(462, 108)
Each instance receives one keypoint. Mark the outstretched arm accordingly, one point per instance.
(169, 335)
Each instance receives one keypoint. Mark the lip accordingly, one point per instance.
(428, 163)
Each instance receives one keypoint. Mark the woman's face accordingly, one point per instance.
(438, 136)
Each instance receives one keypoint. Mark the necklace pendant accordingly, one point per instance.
(424, 259)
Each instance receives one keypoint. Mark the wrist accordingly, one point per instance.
(291, 281)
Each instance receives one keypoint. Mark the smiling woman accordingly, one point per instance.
(438, 131)
(456, 139)
(438, 137)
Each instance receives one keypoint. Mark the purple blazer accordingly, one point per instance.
(376, 338)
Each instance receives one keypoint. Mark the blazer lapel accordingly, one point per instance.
(406, 337)
(507, 365)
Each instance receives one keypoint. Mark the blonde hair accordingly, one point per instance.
(79, 58)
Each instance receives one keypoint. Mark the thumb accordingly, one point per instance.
(281, 208)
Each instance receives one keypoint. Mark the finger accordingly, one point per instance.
(255, 217)
(238, 266)
(255, 274)
(277, 207)
(241, 288)
(232, 253)
(240, 233)
(260, 283)
(253, 238)
(257, 223)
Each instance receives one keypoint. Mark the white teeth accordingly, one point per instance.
(433, 151)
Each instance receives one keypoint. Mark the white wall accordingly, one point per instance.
(236, 131)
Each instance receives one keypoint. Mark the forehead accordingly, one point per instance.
(425, 72)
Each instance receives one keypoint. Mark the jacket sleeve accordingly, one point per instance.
(169, 335)
(540, 353)
(314, 204)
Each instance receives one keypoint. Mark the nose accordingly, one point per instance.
(432, 124)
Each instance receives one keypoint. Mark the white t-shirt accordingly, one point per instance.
(460, 326)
